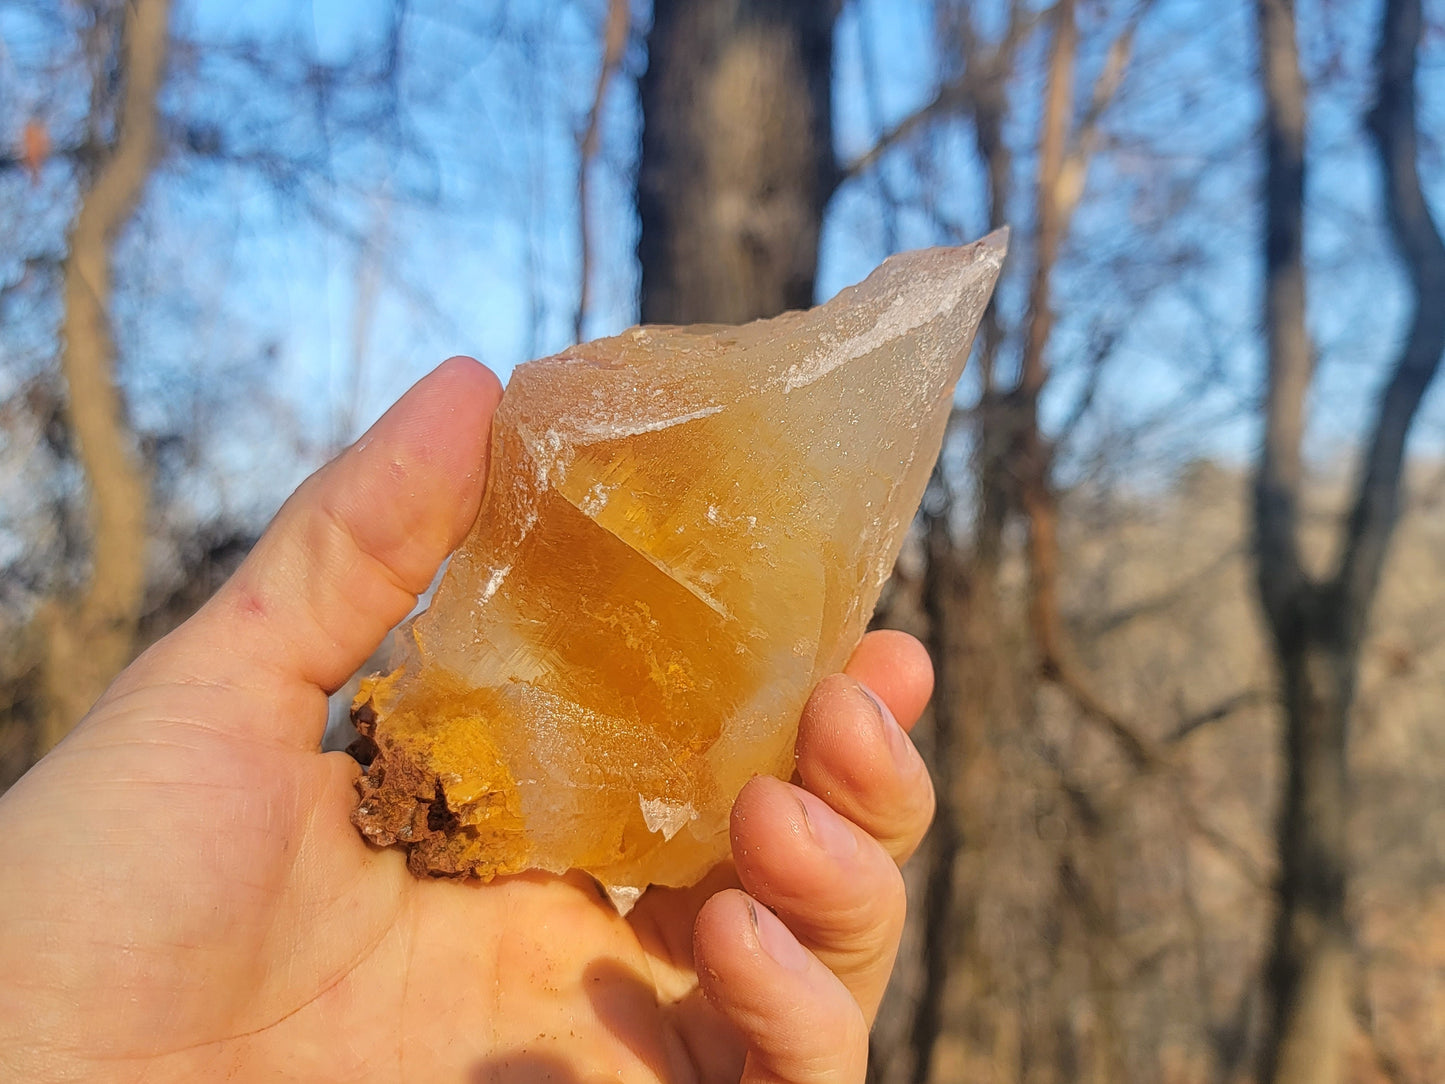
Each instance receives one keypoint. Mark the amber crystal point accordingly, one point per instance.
(684, 529)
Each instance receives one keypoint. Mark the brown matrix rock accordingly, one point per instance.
(684, 530)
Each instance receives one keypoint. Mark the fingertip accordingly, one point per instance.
(467, 384)
(743, 952)
(722, 945)
(473, 369)
(721, 921)
(851, 752)
(897, 667)
(346, 556)
(444, 423)
(839, 891)
(796, 1016)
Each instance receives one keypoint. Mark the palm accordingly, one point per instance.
(274, 922)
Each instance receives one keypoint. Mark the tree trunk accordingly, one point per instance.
(1311, 963)
(1318, 627)
(737, 161)
(945, 604)
(1309, 970)
(966, 638)
(87, 640)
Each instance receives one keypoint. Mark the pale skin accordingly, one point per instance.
(183, 897)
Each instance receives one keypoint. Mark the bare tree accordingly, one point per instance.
(614, 42)
(1318, 623)
(1065, 150)
(1014, 465)
(959, 597)
(87, 638)
(133, 123)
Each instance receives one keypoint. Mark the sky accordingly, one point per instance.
(469, 242)
(1206, 108)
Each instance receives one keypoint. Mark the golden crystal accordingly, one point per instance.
(684, 529)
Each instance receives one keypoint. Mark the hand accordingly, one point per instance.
(182, 895)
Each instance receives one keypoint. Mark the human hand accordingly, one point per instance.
(183, 897)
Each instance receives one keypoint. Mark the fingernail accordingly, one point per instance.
(893, 735)
(828, 829)
(777, 940)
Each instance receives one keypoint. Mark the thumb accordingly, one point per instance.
(799, 1021)
(348, 554)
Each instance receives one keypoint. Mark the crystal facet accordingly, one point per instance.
(683, 531)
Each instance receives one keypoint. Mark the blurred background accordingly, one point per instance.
(1181, 567)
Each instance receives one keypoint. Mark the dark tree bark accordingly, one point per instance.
(737, 160)
(1318, 625)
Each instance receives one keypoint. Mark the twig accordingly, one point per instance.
(1164, 601)
(614, 41)
(1106, 86)
(951, 98)
(886, 196)
(1385, 1060)
(1217, 713)
(1068, 677)
(1393, 124)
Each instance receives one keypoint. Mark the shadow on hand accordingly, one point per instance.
(526, 1067)
(684, 1040)
(679, 1041)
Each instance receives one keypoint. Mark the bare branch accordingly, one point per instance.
(1393, 124)
(14, 163)
(1243, 862)
(1059, 667)
(1278, 484)
(1056, 659)
(955, 96)
(1101, 349)
(1163, 601)
(370, 258)
(887, 199)
(1364, 1012)
(989, 110)
(1095, 813)
(614, 41)
(1106, 86)
(1216, 713)
(951, 99)
(1052, 214)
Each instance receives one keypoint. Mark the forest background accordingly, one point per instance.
(1181, 567)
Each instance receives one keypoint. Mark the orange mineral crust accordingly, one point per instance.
(684, 530)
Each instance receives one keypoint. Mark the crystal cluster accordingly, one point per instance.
(684, 530)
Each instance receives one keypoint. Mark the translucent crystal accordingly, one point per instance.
(684, 530)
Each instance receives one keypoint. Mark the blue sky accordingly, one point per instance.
(493, 95)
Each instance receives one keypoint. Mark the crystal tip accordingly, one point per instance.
(997, 241)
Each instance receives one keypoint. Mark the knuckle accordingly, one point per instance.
(926, 798)
(869, 925)
(912, 822)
